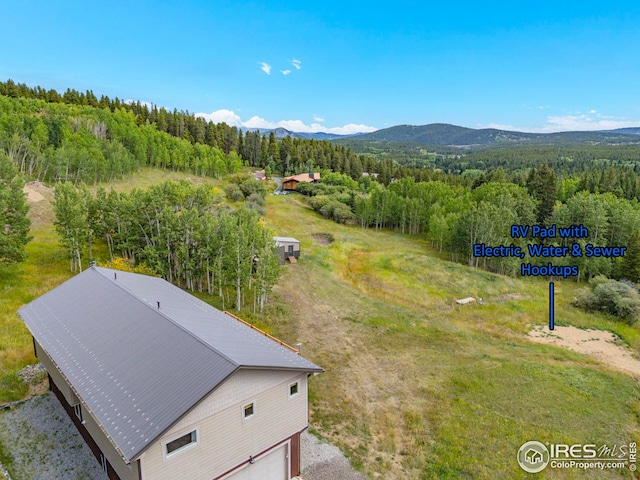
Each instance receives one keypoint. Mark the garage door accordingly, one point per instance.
(270, 466)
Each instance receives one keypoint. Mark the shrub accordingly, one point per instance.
(257, 199)
(233, 192)
(345, 198)
(343, 214)
(334, 178)
(337, 211)
(251, 186)
(256, 207)
(329, 207)
(612, 297)
(318, 202)
(238, 178)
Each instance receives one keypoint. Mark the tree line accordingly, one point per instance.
(57, 142)
(186, 136)
(180, 231)
(457, 217)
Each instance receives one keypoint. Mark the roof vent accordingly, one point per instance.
(158, 305)
(115, 276)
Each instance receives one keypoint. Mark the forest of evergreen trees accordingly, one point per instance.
(456, 217)
(458, 201)
(35, 123)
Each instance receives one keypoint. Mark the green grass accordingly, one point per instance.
(45, 267)
(417, 386)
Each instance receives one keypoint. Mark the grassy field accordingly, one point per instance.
(416, 386)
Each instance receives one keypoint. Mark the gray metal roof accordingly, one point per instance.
(139, 369)
(286, 239)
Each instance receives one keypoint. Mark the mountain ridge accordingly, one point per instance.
(444, 134)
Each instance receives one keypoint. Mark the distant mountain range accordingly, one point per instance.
(443, 134)
(281, 133)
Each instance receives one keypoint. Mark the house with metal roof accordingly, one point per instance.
(162, 386)
(288, 248)
(290, 183)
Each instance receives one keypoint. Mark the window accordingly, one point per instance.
(248, 411)
(180, 442)
(294, 388)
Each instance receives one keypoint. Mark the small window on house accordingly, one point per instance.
(294, 388)
(180, 442)
(78, 411)
(248, 411)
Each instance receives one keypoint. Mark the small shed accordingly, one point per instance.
(288, 249)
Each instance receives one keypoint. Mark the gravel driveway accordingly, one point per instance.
(324, 461)
(45, 445)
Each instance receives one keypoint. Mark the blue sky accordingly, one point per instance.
(341, 66)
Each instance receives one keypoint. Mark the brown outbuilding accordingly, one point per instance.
(290, 183)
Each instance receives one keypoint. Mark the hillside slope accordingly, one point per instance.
(419, 387)
(415, 386)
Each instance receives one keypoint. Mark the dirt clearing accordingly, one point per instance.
(39, 198)
(598, 344)
(33, 195)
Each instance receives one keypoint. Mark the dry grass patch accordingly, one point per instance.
(418, 388)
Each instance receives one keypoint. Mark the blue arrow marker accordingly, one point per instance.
(551, 324)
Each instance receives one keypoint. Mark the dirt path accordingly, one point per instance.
(598, 344)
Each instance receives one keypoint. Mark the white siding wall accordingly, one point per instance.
(226, 439)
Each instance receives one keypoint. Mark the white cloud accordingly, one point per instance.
(257, 122)
(265, 67)
(318, 119)
(231, 118)
(583, 122)
(285, 72)
(227, 116)
(296, 63)
(352, 128)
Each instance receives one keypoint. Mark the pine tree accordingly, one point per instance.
(630, 269)
(14, 223)
(542, 187)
